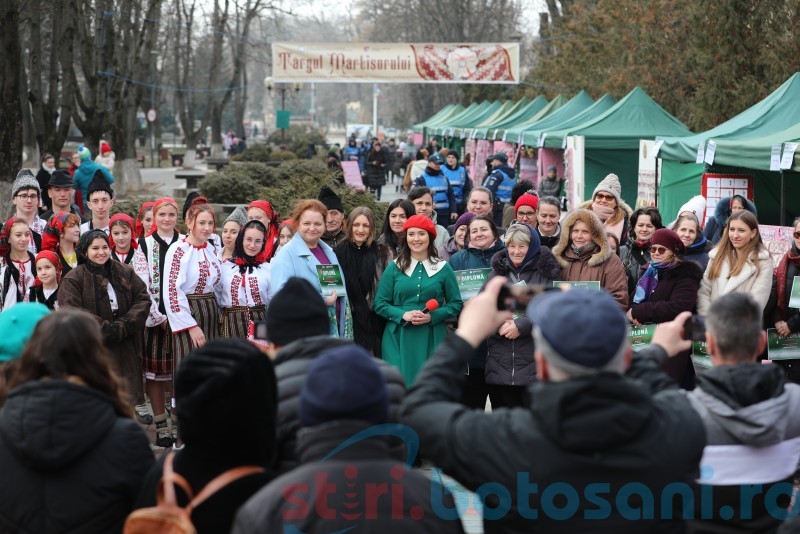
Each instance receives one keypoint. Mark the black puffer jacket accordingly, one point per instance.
(68, 462)
(291, 366)
(509, 362)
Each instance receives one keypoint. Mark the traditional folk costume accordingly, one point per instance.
(16, 277)
(245, 291)
(193, 275)
(122, 257)
(48, 297)
(149, 261)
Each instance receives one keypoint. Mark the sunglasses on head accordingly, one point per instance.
(656, 249)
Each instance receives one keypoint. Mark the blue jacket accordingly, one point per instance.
(84, 175)
(459, 181)
(473, 258)
(351, 153)
(500, 182)
(444, 201)
(296, 259)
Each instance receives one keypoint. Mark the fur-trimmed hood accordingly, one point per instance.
(723, 210)
(562, 251)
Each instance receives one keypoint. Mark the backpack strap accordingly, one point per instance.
(165, 493)
(220, 482)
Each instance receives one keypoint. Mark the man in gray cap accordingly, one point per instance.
(604, 434)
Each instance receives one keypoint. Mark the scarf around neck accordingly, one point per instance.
(649, 280)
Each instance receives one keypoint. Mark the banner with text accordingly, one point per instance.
(396, 62)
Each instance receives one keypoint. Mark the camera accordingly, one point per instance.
(694, 328)
(516, 297)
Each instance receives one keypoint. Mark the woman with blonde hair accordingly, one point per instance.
(739, 263)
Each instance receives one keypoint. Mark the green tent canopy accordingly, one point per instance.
(578, 103)
(512, 134)
(469, 117)
(778, 111)
(754, 152)
(635, 117)
(555, 138)
(520, 116)
(507, 109)
(442, 114)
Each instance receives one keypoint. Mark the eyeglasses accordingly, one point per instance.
(658, 250)
(525, 214)
(601, 196)
(28, 197)
(796, 235)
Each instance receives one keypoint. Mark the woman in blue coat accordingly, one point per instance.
(301, 256)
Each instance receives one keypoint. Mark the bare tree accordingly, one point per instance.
(10, 108)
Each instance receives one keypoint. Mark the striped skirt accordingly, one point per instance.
(159, 359)
(206, 312)
(236, 320)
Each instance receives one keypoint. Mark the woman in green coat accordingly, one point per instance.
(410, 281)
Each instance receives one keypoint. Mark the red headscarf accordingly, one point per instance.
(272, 230)
(127, 220)
(138, 228)
(5, 233)
(50, 256)
(157, 205)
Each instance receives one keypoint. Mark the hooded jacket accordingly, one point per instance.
(597, 264)
(607, 429)
(716, 224)
(68, 462)
(509, 362)
(755, 279)
(291, 367)
(345, 478)
(749, 414)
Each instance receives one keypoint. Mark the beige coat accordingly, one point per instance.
(757, 286)
(599, 264)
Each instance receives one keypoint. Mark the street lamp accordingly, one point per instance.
(271, 86)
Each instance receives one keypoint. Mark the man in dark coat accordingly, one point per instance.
(298, 328)
(596, 446)
(348, 478)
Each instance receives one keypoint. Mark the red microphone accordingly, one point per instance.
(430, 306)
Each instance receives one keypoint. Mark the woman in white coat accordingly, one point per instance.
(739, 263)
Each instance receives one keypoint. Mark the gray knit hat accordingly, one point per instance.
(610, 184)
(25, 180)
(238, 215)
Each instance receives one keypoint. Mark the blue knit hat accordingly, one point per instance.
(84, 153)
(344, 383)
(581, 331)
(16, 327)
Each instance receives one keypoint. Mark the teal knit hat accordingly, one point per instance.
(84, 153)
(16, 327)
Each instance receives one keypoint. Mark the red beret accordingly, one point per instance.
(422, 222)
(527, 200)
(667, 238)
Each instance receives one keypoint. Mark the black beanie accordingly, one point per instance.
(330, 199)
(98, 183)
(344, 383)
(232, 381)
(295, 312)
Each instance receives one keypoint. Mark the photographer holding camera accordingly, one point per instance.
(599, 416)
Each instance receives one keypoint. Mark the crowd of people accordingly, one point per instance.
(161, 320)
